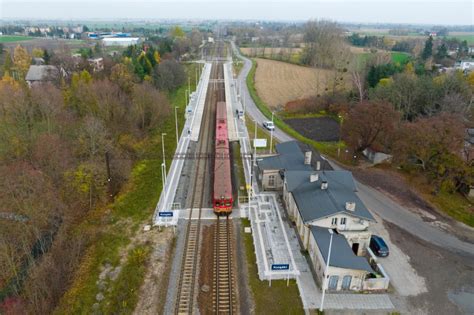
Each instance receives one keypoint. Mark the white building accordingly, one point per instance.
(120, 41)
(319, 201)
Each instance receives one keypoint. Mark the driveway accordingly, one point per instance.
(380, 204)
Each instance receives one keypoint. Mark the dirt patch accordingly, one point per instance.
(317, 128)
(445, 272)
(153, 290)
(49, 44)
(279, 82)
(253, 51)
(205, 274)
(398, 188)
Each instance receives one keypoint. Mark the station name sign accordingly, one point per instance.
(280, 267)
(165, 214)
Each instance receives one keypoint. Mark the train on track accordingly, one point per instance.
(222, 199)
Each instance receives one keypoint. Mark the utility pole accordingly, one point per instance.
(176, 120)
(326, 271)
(271, 135)
(109, 177)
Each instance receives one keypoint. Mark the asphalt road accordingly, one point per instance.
(375, 200)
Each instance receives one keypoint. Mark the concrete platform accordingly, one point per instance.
(198, 107)
(192, 123)
(230, 99)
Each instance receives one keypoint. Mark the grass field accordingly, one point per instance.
(279, 82)
(14, 38)
(275, 300)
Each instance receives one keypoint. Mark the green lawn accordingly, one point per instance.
(134, 206)
(400, 57)
(261, 134)
(468, 37)
(14, 38)
(274, 300)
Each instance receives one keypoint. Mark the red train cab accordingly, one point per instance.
(222, 194)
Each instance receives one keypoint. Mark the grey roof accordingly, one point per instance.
(289, 157)
(342, 255)
(316, 203)
(40, 73)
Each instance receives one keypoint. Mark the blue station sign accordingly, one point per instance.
(280, 267)
(165, 214)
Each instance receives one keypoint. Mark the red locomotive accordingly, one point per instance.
(222, 197)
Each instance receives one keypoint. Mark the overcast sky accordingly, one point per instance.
(453, 12)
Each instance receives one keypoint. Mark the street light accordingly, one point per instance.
(163, 147)
(326, 270)
(176, 120)
(340, 132)
(271, 134)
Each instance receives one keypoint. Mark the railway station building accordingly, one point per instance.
(319, 201)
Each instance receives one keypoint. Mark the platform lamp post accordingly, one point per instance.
(271, 135)
(163, 149)
(326, 270)
(176, 123)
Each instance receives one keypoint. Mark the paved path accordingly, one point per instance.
(376, 201)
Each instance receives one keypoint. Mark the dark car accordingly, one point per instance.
(378, 246)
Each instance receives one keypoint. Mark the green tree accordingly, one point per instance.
(442, 52)
(428, 50)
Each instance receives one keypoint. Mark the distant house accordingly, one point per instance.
(97, 64)
(465, 65)
(376, 157)
(38, 61)
(289, 157)
(120, 41)
(40, 74)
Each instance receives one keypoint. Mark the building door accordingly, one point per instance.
(346, 282)
(355, 248)
(333, 280)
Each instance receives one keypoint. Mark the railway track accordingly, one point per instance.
(224, 297)
(190, 259)
(223, 293)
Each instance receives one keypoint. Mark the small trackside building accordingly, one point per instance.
(271, 169)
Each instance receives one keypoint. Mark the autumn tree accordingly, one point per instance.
(168, 75)
(434, 144)
(49, 101)
(369, 124)
(21, 62)
(149, 106)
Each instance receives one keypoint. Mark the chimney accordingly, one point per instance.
(313, 177)
(324, 185)
(350, 206)
(318, 165)
(307, 158)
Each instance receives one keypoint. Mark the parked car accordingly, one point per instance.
(378, 246)
(269, 125)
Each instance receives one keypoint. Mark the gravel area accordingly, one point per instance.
(449, 277)
(395, 186)
(175, 269)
